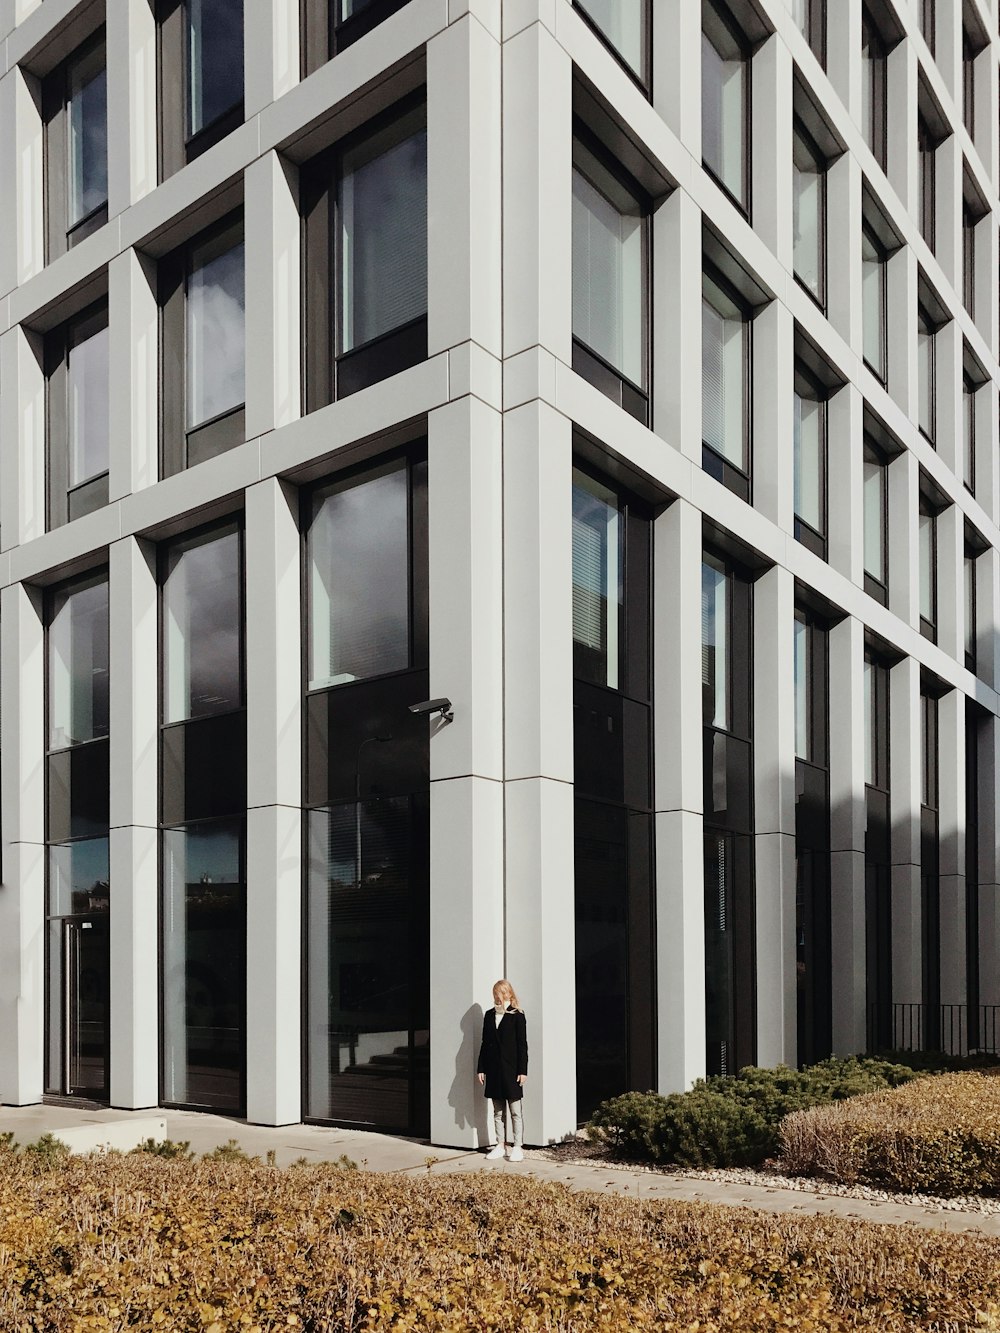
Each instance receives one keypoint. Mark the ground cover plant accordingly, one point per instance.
(938, 1135)
(732, 1121)
(224, 1245)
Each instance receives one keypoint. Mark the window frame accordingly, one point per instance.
(878, 61)
(927, 146)
(726, 19)
(928, 24)
(969, 224)
(880, 371)
(387, 354)
(877, 722)
(644, 77)
(60, 236)
(324, 36)
(928, 625)
(92, 492)
(927, 327)
(736, 479)
(969, 391)
(801, 138)
(175, 148)
(971, 635)
(815, 29)
(225, 431)
(874, 586)
(588, 363)
(969, 54)
(810, 537)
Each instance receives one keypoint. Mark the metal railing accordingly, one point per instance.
(953, 1029)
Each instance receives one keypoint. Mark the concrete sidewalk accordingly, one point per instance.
(380, 1152)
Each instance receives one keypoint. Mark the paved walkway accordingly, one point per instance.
(380, 1152)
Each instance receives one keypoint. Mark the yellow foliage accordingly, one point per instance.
(938, 1135)
(223, 1246)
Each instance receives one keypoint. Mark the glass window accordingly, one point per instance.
(875, 479)
(970, 609)
(928, 23)
(802, 687)
(969, 82)
(202, 626)
(969, 432)
(624, 24)
(928, 180)
(87, 408)
(78, 663)
(725, 76)
(608, 269)
(204, 965)
(597, 582)
(926, 368)
(927, 537)
(808, 16)
(873, 87)
(382, 232)
(873, 301)
(358, 558)
(809, 455)
(715, 643)
(809, 214)
(969, 260)
(724, 406)
(215, 60)
(215, 339)
(87, 141)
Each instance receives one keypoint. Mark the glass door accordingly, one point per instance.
(84, 1006)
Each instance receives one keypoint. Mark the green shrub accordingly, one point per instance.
(732, 1121)
(230, 1151)
(46, 1152)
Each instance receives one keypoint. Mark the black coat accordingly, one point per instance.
(503, 1055)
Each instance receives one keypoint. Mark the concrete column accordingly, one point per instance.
(901, 343)
(843, 263)
(677, 282)
(984, 284)
(465, 527)
(22, 894)
(847, 837)
(464, 179)
(134, 820)
(133, 421)
(951, 847)
(948, 46)
(538, 764)
(22, 166)
(273, 294)
(904, 564)
(677, 70)
(774, 814)
(679, 798)
(774, 414)
(948, 166)
(274, 806)
(131, 42)
(950, 525)
(843, 54)
(904, 813)
(949, 408)
(537, 212)
(271, 52)
(771, 135)
(902, 125)
(22, 425)
(845, 455)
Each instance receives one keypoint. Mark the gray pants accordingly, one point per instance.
(516, 1121)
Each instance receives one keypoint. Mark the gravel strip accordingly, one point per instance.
(582, 1153)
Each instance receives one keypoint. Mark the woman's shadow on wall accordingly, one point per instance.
(465, 1096)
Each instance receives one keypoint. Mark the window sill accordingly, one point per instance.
(596, 371)
(732, 477)
(376, 360)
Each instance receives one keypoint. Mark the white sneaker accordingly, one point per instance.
(494, 1153)
(515, 1155)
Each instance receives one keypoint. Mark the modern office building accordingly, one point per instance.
(619, 380)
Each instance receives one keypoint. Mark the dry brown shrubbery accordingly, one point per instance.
(217, 1246)
(939, 1135)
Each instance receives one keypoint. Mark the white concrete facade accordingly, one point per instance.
(503, 413)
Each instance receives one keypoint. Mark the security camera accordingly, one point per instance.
(431, 706)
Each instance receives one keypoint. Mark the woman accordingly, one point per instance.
(503, 1066)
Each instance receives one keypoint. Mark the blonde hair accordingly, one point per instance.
(507, 992)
